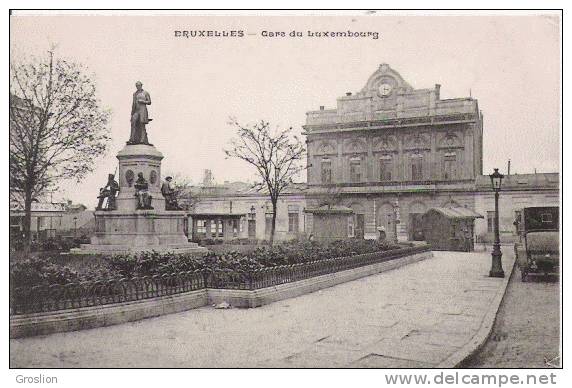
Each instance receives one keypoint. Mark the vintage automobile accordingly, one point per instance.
(538, 251)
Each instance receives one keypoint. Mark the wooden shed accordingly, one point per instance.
(450, 229)
(331, 223)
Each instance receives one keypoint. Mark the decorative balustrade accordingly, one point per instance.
(86, 294)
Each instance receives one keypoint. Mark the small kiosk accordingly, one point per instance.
(450, 229)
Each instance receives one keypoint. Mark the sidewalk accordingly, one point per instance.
(416, 316)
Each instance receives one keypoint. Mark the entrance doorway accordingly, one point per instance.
(252, 229)
(360, 226)
(416, 227)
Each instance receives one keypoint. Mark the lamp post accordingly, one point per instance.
(395, 221)
(75, 226)
(496, 268)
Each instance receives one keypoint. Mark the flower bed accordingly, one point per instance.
(39, 285)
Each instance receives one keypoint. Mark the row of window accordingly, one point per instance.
(386, 168)
(214, 228)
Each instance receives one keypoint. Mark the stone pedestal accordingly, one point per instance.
(130, 230)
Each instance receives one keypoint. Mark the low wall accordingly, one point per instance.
(28, 325)
(97, 316)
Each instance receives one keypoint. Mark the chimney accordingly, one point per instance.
(508, 167)
(321, 107)
(438, 91)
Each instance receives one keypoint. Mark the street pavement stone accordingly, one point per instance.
(413, 316)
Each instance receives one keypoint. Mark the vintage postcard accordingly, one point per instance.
(327, 189)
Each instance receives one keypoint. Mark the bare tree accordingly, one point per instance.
(332, 197)
(275, 154)
(57, 128)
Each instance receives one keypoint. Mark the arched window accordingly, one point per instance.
(416, 167)
(385, 168)
(355, 170)
(449, 165)
(326, 171)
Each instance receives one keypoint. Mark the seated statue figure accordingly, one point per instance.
(142, 193)
(171, 202)
(109, 191)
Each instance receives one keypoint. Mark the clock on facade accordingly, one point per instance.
(385, 89)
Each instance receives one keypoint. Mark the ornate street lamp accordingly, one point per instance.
(496, 268)
(395, 221)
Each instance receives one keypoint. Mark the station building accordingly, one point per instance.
(391, 152)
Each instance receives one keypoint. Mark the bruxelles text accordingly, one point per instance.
(275, 34)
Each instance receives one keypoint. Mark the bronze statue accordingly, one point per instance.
(109, 191)
(171, 202)
(142, 193)
(139, 115)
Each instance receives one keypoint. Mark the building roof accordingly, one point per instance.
(402, 105)
(230, 189)
(218, 214)
(521, 181)
(325, 209)
(37, 207)
(456, 212)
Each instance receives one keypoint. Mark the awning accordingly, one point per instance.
(456, 212)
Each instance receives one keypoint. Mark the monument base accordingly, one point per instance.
(137, 231)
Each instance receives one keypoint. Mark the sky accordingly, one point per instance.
(511, 64)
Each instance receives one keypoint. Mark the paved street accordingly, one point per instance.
(414, 316)
(527, 331)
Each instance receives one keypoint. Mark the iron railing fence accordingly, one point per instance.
(94, 293)
(273, 276)
(55, 297)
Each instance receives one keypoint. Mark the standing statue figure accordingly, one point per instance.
(142, 193)
(171, 202)
(109, 191)
(139, 115)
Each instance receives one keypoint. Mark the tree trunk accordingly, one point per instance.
(274, 208)
(27, 221)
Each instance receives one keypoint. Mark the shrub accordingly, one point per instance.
(40, 272)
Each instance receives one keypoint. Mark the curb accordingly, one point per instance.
(480, 338)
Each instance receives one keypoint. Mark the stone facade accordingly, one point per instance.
(393, 152)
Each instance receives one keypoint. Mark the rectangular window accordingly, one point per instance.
(490, 222)
(219, 227)
(449, 166)
(201, 226)
(355, 170)
(235, 227)
(351, 228)
(326, 171)
(385, 168)
(417, 167)
(212, 228)
(293, 222)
